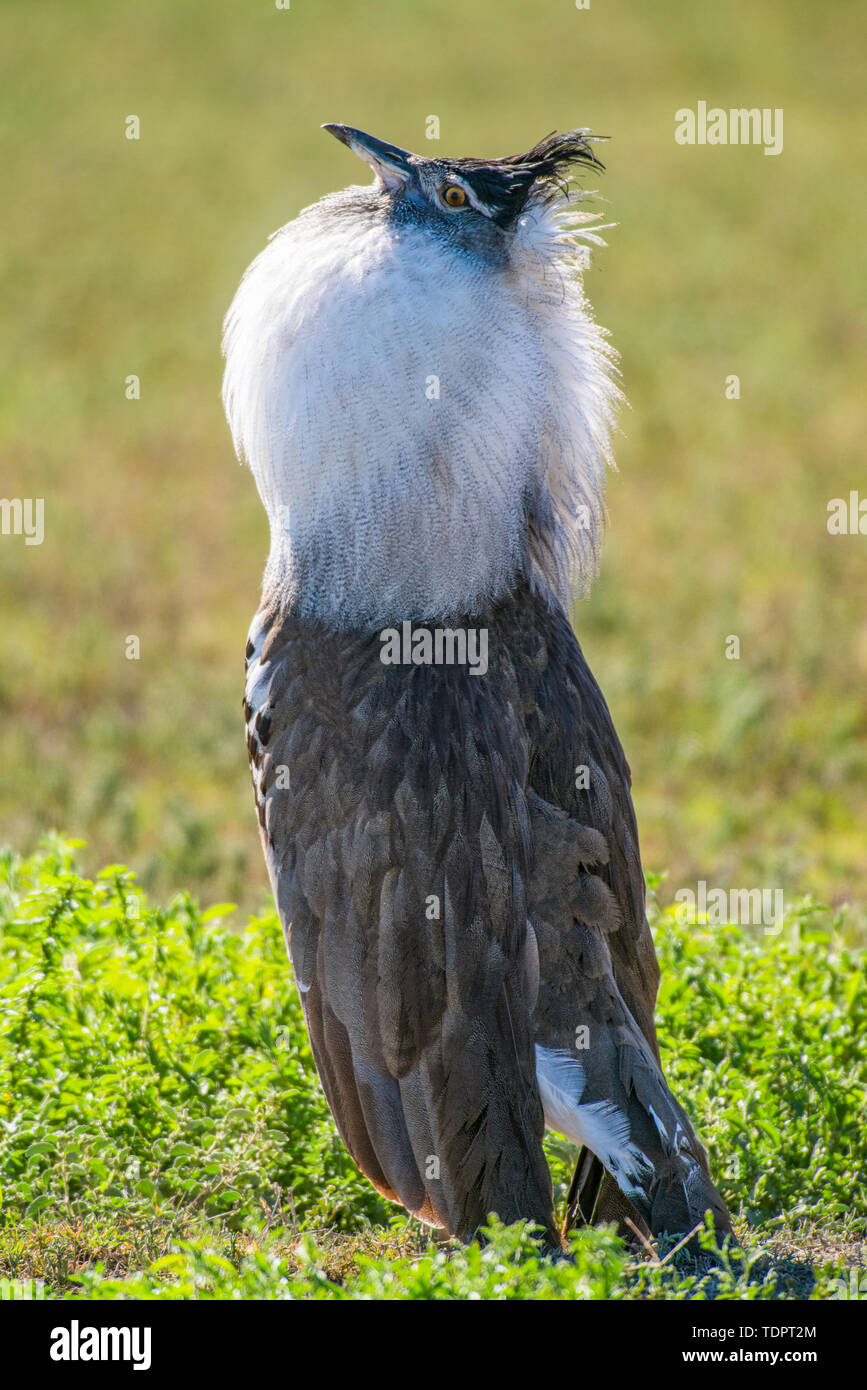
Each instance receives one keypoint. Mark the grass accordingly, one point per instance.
(157, 1089)
(162, 1133)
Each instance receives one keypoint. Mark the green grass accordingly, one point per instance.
(162, 1132)
(121, 257)
(159, 1098)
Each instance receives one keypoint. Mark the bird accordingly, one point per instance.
(424, 397)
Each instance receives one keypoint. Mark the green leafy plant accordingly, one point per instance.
(163, 1133)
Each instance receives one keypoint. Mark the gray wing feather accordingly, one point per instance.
(406, 788)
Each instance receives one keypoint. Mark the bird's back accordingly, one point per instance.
(419, 825)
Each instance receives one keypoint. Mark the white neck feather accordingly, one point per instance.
(386, 502)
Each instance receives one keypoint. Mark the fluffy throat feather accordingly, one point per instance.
(425, 428)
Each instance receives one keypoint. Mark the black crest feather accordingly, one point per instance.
(507, 184)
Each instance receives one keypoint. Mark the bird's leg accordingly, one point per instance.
(594, 1199)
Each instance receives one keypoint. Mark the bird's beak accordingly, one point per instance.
(389, 162)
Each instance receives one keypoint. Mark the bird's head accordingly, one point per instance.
(473, 203)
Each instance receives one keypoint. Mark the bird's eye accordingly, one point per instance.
(454, 195)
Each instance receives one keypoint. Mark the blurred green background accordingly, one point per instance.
(120, 257)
